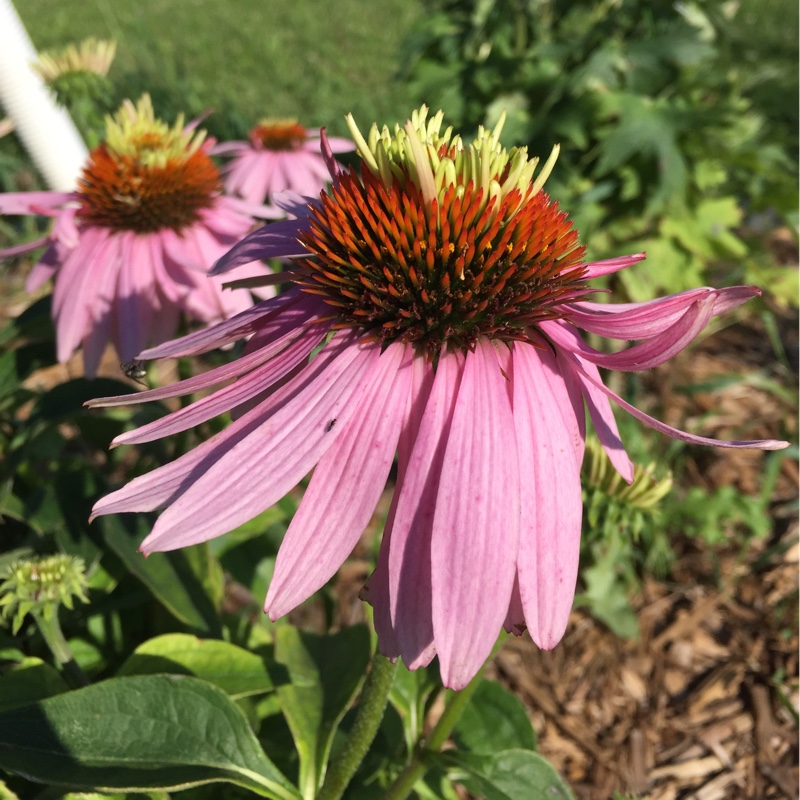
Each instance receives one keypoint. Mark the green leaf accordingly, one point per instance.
(494, 720)
(508, 775)
(236, 671)
(409, 695)
(138, 733)
(325, 672)
(176, 579)
(28, 681)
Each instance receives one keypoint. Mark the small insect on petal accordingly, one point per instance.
(329, 426)
(135, 370)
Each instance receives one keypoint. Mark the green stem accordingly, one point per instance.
(454, 707)
(371, 707)
(62, 652)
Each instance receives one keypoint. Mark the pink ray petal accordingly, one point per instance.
(212, 405)
(551, 505)
(328, 523)
(377, 590)
(27, 247)
(592, 380)
(26, 202)
(273, 314)
(475, 531)
(44, 269)
(605, 426)
(261, 468)
(167, 483)
(403, 575)
(597, 268)
(276, 240)
(645, 355)
(135, 296)
(105, 281)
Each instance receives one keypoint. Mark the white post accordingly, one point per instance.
(47, 131)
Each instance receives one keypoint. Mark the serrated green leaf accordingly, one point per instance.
(236, 671)
(494, 720)
(138, 733)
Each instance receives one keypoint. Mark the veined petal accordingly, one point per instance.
(592, 380)
(275, 313)
(276, 240)
(328, 523)
(257, 471)
(551, 505)
(382, 590)
(136, 297)
(407, 556)
(166, 484)
(643, 320)
(475, 531)
(605, 426)
(645, 355)
(234, 369)
(597, 268)
(216, 403)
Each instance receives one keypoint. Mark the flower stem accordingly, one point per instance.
(454, 707)
(371, 706)
(62, 652)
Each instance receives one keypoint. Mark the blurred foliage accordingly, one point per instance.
(676, 120)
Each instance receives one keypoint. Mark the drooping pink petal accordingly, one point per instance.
(329, 523)
(103, 281)
(605, 426)
(643, 320)
(212, 377)
(551, 504)
(212, 405)
(136, 296)
(30, 202)
(403, 601)
(475, 531)
(167, 483)
(21, 249)
(44, 269)
(645, 355)
(593, 380)
(596, 269)
(291, 306)
(70, 310)
(258, 470)
(276, 240)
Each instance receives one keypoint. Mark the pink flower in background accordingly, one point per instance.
(448, 292)
(281, 155)
(130, 250)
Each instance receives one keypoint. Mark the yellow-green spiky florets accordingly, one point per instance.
(135, 131)
(435, 160)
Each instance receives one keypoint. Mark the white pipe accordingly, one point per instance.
(47, 131)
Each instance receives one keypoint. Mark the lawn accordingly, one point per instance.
(245, 58)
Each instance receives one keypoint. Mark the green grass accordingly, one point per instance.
(311, 59)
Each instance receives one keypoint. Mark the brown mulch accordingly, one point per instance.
(704, 705)
(694, 707)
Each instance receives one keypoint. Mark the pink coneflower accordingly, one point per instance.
(281, 155)
(131, 248)
(447, 290)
